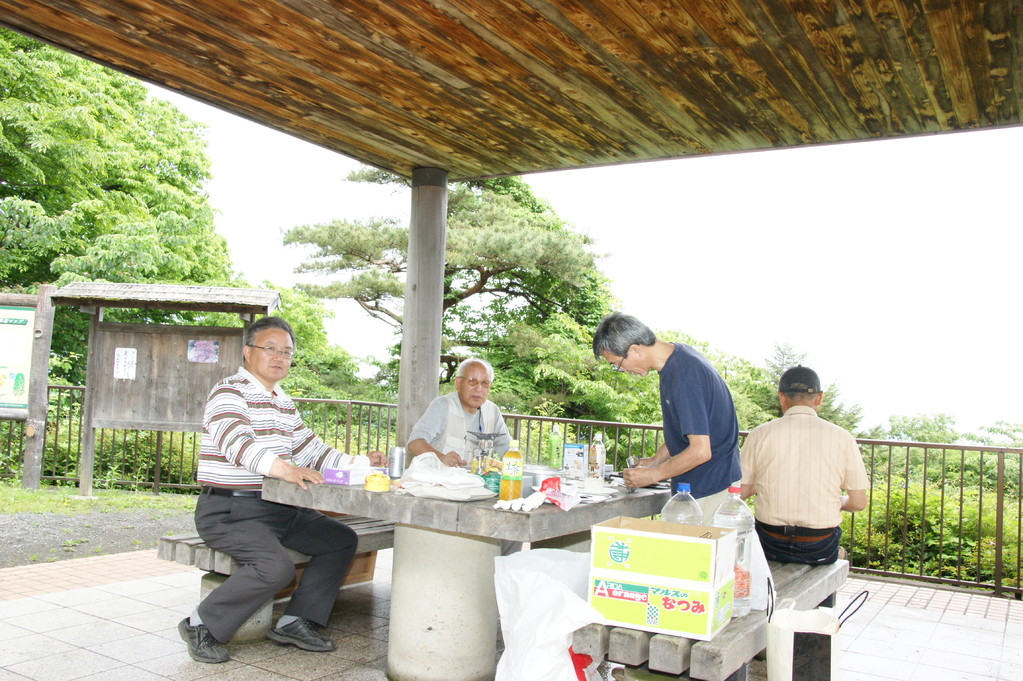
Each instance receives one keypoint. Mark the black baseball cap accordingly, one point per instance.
(799, 379)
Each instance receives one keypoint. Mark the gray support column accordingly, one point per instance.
(38, 391)
(424, 288)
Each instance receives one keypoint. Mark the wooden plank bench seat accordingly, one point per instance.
(189, 549)
(726, 657)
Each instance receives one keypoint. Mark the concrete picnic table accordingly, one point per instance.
(443, 620)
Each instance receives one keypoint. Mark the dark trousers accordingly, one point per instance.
(256, 533)
(788, 550)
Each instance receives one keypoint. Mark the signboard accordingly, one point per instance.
(17, 326)
(157, 377)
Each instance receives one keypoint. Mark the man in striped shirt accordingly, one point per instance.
(798, 466)
(251, 429)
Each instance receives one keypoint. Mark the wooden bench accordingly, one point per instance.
(189, 549)
(727, 656)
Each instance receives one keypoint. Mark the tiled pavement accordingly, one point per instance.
(115, 617)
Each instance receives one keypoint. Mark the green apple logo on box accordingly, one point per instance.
(618, 551)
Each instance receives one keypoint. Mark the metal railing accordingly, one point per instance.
(937, 513)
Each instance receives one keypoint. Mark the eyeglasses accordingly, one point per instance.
(618, 367)
(473, 382)
(274, 352)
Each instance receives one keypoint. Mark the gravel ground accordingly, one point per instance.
(31, 538)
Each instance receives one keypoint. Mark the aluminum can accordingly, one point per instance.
(396, 462)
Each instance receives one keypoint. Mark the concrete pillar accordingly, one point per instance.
(424, 287)
(454, 638)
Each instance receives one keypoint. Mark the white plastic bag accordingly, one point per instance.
(427, 476)
(802, 645)
(541, 599)
(760, 575)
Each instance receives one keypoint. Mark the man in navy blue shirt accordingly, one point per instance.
(701, 431)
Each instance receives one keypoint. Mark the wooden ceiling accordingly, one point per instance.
(497, 87)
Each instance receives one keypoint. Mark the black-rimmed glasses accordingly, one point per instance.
(274, 352)
(618, 367)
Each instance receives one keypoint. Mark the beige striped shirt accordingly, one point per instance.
(798, 466)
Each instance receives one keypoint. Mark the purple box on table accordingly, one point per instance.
(354, 476)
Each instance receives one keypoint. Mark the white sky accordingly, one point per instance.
(893, 265)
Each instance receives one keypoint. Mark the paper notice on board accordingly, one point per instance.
(124, 363)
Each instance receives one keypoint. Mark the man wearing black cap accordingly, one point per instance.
(797, 466)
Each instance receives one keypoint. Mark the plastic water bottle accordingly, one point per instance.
(733, 513)
(511, 473)
(596, 459)
(682, 508)
(555, 448)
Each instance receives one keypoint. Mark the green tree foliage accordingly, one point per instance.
(941, 532)
(320, 369)
(97, 182)
(509, 259)
(550, 368)
(1004, 434)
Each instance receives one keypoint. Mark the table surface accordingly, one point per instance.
(478, 518)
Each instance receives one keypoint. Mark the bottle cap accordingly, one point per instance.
(513, 444)
(734, 489)
(683, 487)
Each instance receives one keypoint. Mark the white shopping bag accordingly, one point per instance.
(761, 581)
(802, 645)
(541, 599)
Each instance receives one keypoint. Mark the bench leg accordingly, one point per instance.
(740, 674)
(254, 628)
(828, 602)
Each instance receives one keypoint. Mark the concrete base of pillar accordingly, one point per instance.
(254, 628)
(455, 637)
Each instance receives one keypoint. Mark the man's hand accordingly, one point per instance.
(298, 474)
(452, 459)
(377, 459)
(641, 476)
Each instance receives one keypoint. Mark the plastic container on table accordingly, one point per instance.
(682, 508)
(733, 513)
(511, 473)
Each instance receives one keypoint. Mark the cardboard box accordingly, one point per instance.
(662, 606)
(662, 577)
(574, 461)
(355, 476)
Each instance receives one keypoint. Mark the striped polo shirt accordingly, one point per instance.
(245, 427)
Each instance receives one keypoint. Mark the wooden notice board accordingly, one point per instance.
(151, 377)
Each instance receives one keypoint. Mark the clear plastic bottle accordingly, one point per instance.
(596, 460)
(733, 513)
(682, 508)
(555, 448)
(511, 473)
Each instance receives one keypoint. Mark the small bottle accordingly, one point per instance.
(682, 508)
(555, 448)
(733, 513)
(596, 460)
(511, 473)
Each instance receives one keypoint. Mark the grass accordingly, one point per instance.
(66, 500)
